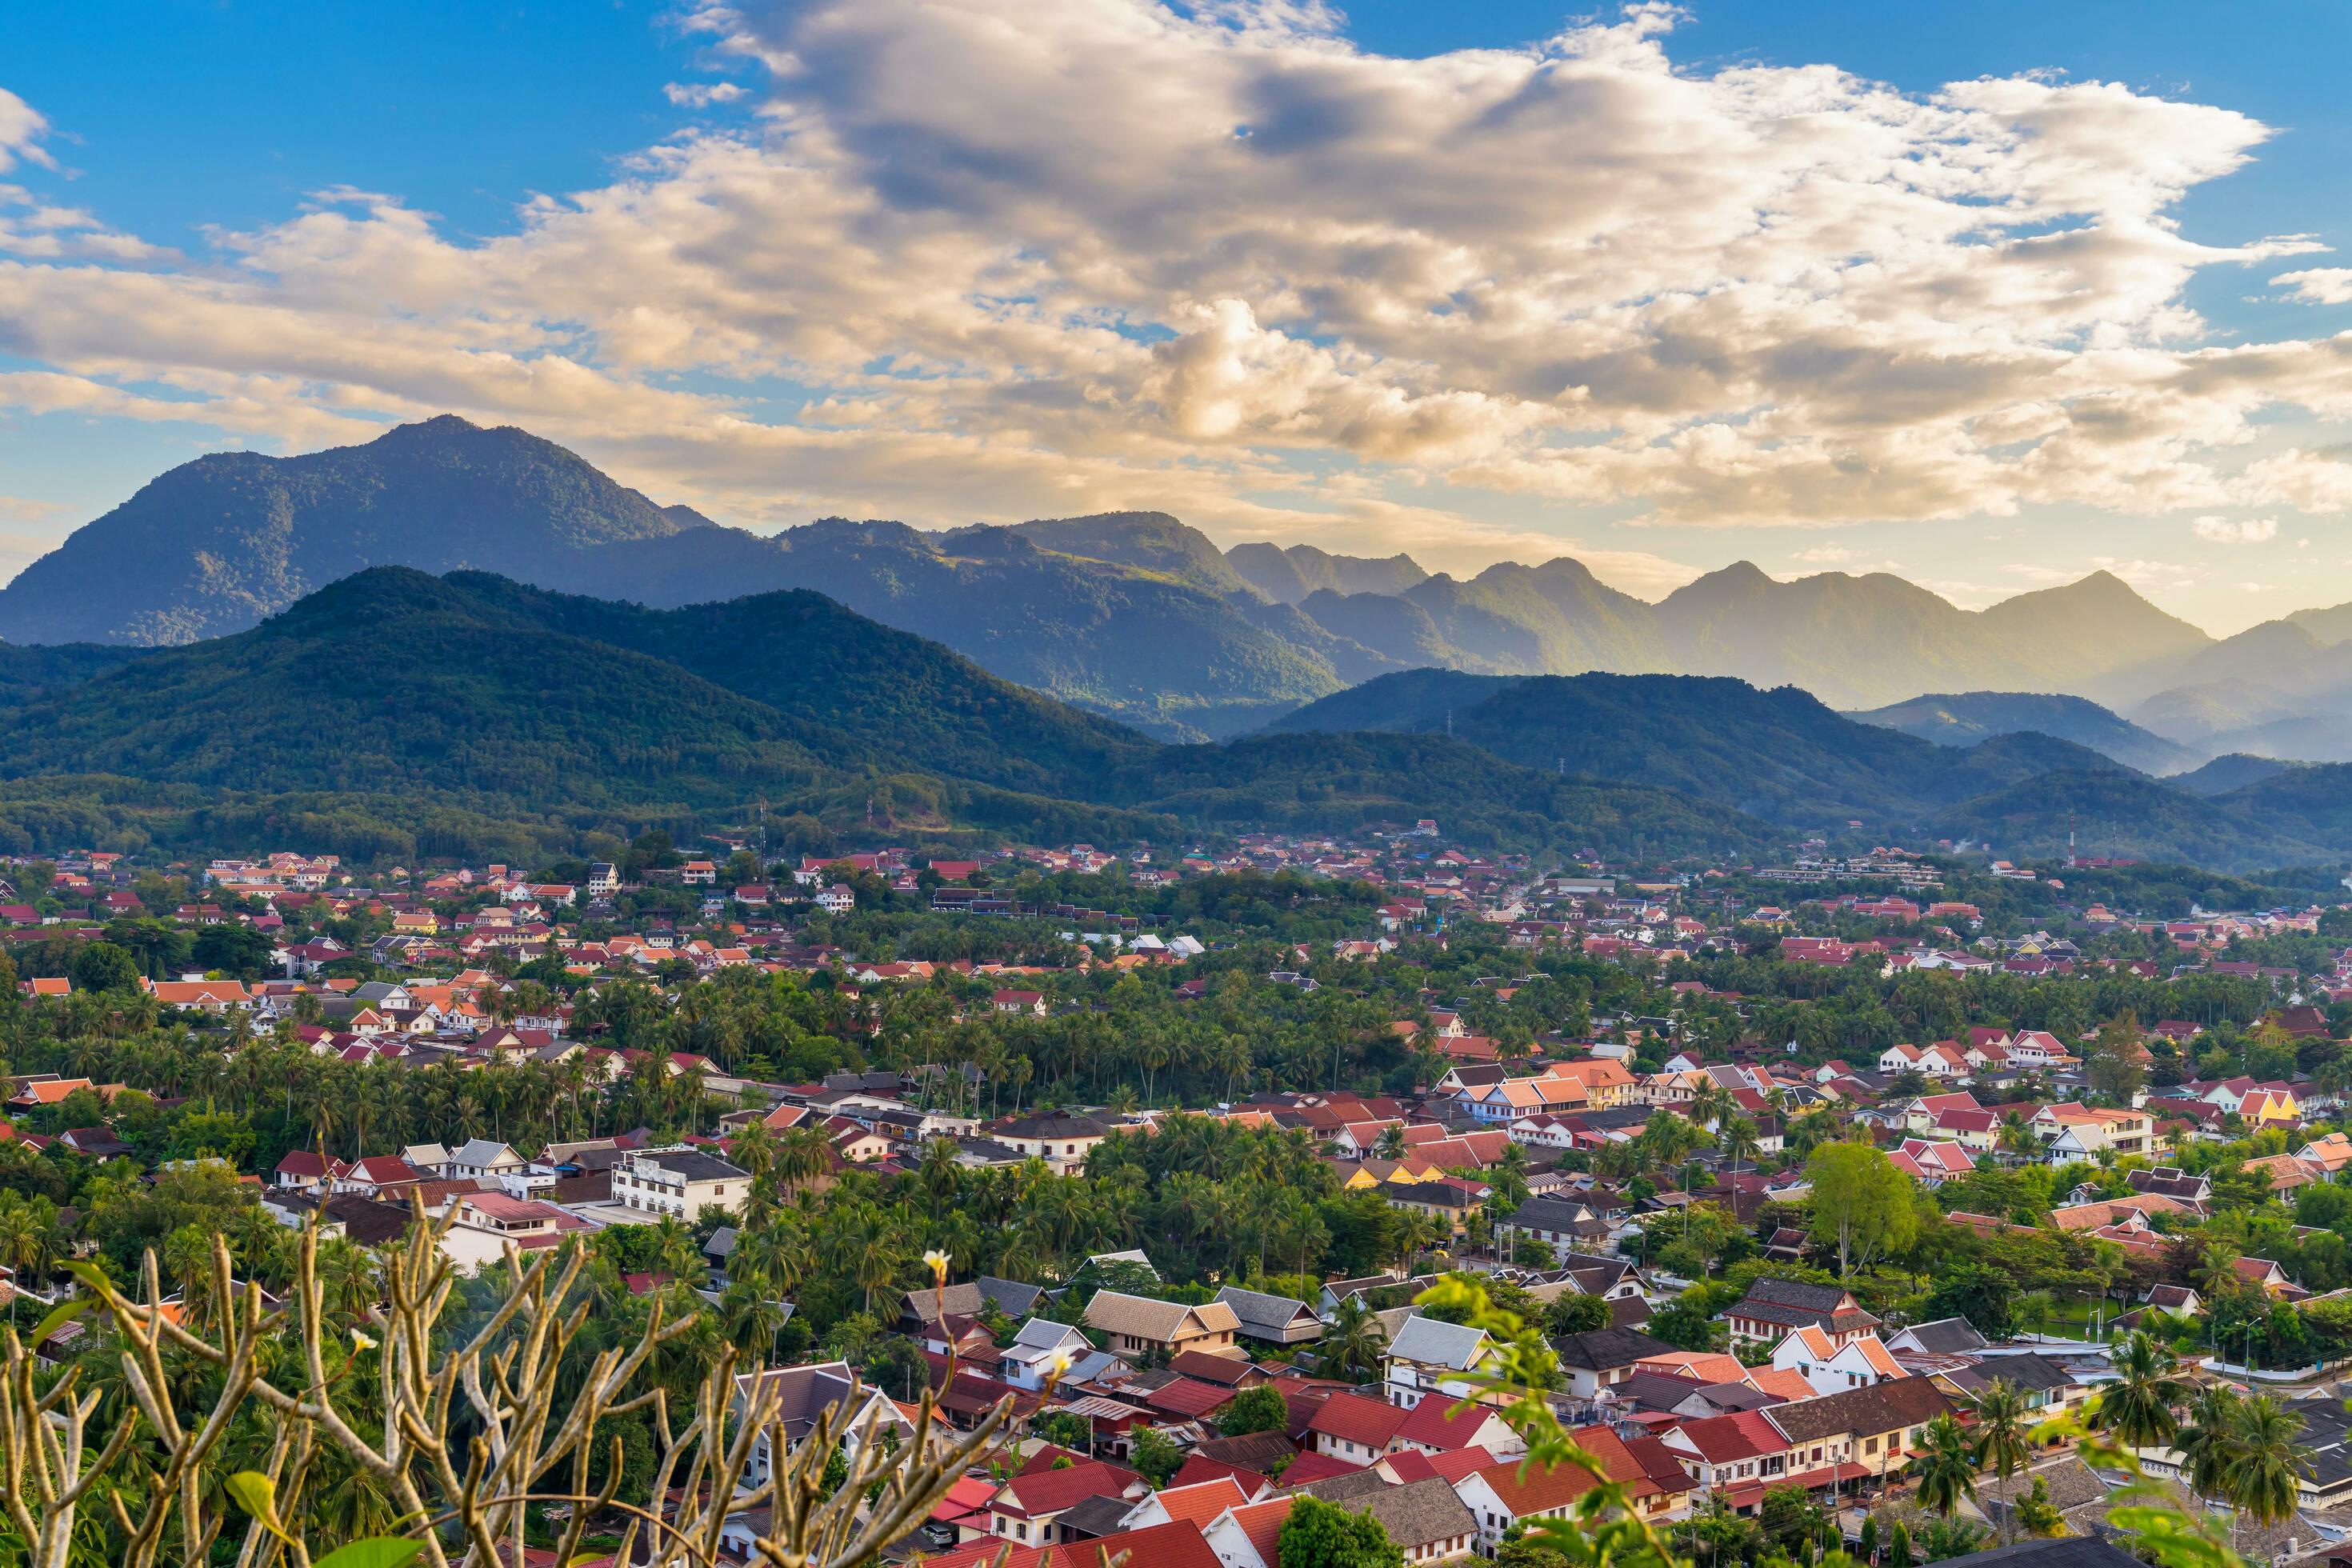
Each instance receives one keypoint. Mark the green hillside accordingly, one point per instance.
(852, 692)
(1963, 718)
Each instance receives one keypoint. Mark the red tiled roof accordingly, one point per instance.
(1434, 1422)
(1041, 1492)
(1352, 1418)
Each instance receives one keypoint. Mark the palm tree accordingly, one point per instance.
(1740, 1138)
(2209, 1444)
(2264, 1476)
(1945, 1468)
(1351, 1347)
(2138, 1408)
(2004, 1439)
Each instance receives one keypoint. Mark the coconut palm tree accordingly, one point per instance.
(1945, 1468)
(2267, 1467)
(1738, 1137)
(2208, 1443)
(2139, 1408)
(2004, 1433)
(1351, 1347)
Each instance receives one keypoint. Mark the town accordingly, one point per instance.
(1844, 1205)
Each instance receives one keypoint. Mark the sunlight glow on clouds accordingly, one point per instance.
(1009, 259)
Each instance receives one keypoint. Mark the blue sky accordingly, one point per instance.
(183, 123)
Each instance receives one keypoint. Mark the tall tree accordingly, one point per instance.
(1861, 1203)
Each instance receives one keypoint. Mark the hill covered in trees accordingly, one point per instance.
(473, 704)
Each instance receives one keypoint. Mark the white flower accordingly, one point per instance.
(939, 1262)
(1062, 1361)
(362, 1342)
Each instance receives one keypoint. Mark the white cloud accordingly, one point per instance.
(2317, 285)
(2235, 530)
(703, 94)
(1039, 256)
(21, 129)
(1824, 555)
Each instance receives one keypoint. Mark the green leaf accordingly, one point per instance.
(257, 1495)
(381, 1552)
(64, 1312)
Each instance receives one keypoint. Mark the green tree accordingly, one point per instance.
(1945, 1468)
(2139, 1407)
(1351, 1348)
(1985, 1296)
(1861, 1203)
(102, 967)
(1156, 1455)
(1259, 1409)
(2004, 1432)
(1318, 1534)
(2267, 1465)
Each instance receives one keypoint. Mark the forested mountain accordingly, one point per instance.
(855, 692)
(477, 709)
(1963, 718)
(1777, 754)
(1783, 756)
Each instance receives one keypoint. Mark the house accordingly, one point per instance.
(792, 1399)
(1873, 1430)
(1602, 1358)
(1508, 1493)
(1426, 1518)
(1060, 1137)
(678, 1181)
(1943, 1337)
(1137, 1325)
(1441, 1426)
(482, 1159)
(1429, 1354)
(1029, 1004)
(2071, 1133)
(1354, 1429)
(1276, 1320)
(1828, 1365)
(1028, 1509)
(2050, 1390)
(1773, 1307)
(1029, 1359)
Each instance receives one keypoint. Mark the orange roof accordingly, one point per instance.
(1203, 1501)
(1786, 1382)
(1262, 1523)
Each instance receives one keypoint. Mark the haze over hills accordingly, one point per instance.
(1783, 756)
(1135, 615)
(1963, 718)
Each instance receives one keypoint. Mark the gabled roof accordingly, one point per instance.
(1604, 1350)
(1422, 1513)
(1353, 1418)
(1870, 1411)
(1436, 1342)
(1434, 1424)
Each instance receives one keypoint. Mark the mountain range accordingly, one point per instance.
(1135, 615)
(1011, 676)
(473, 713)
(1783, 756)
